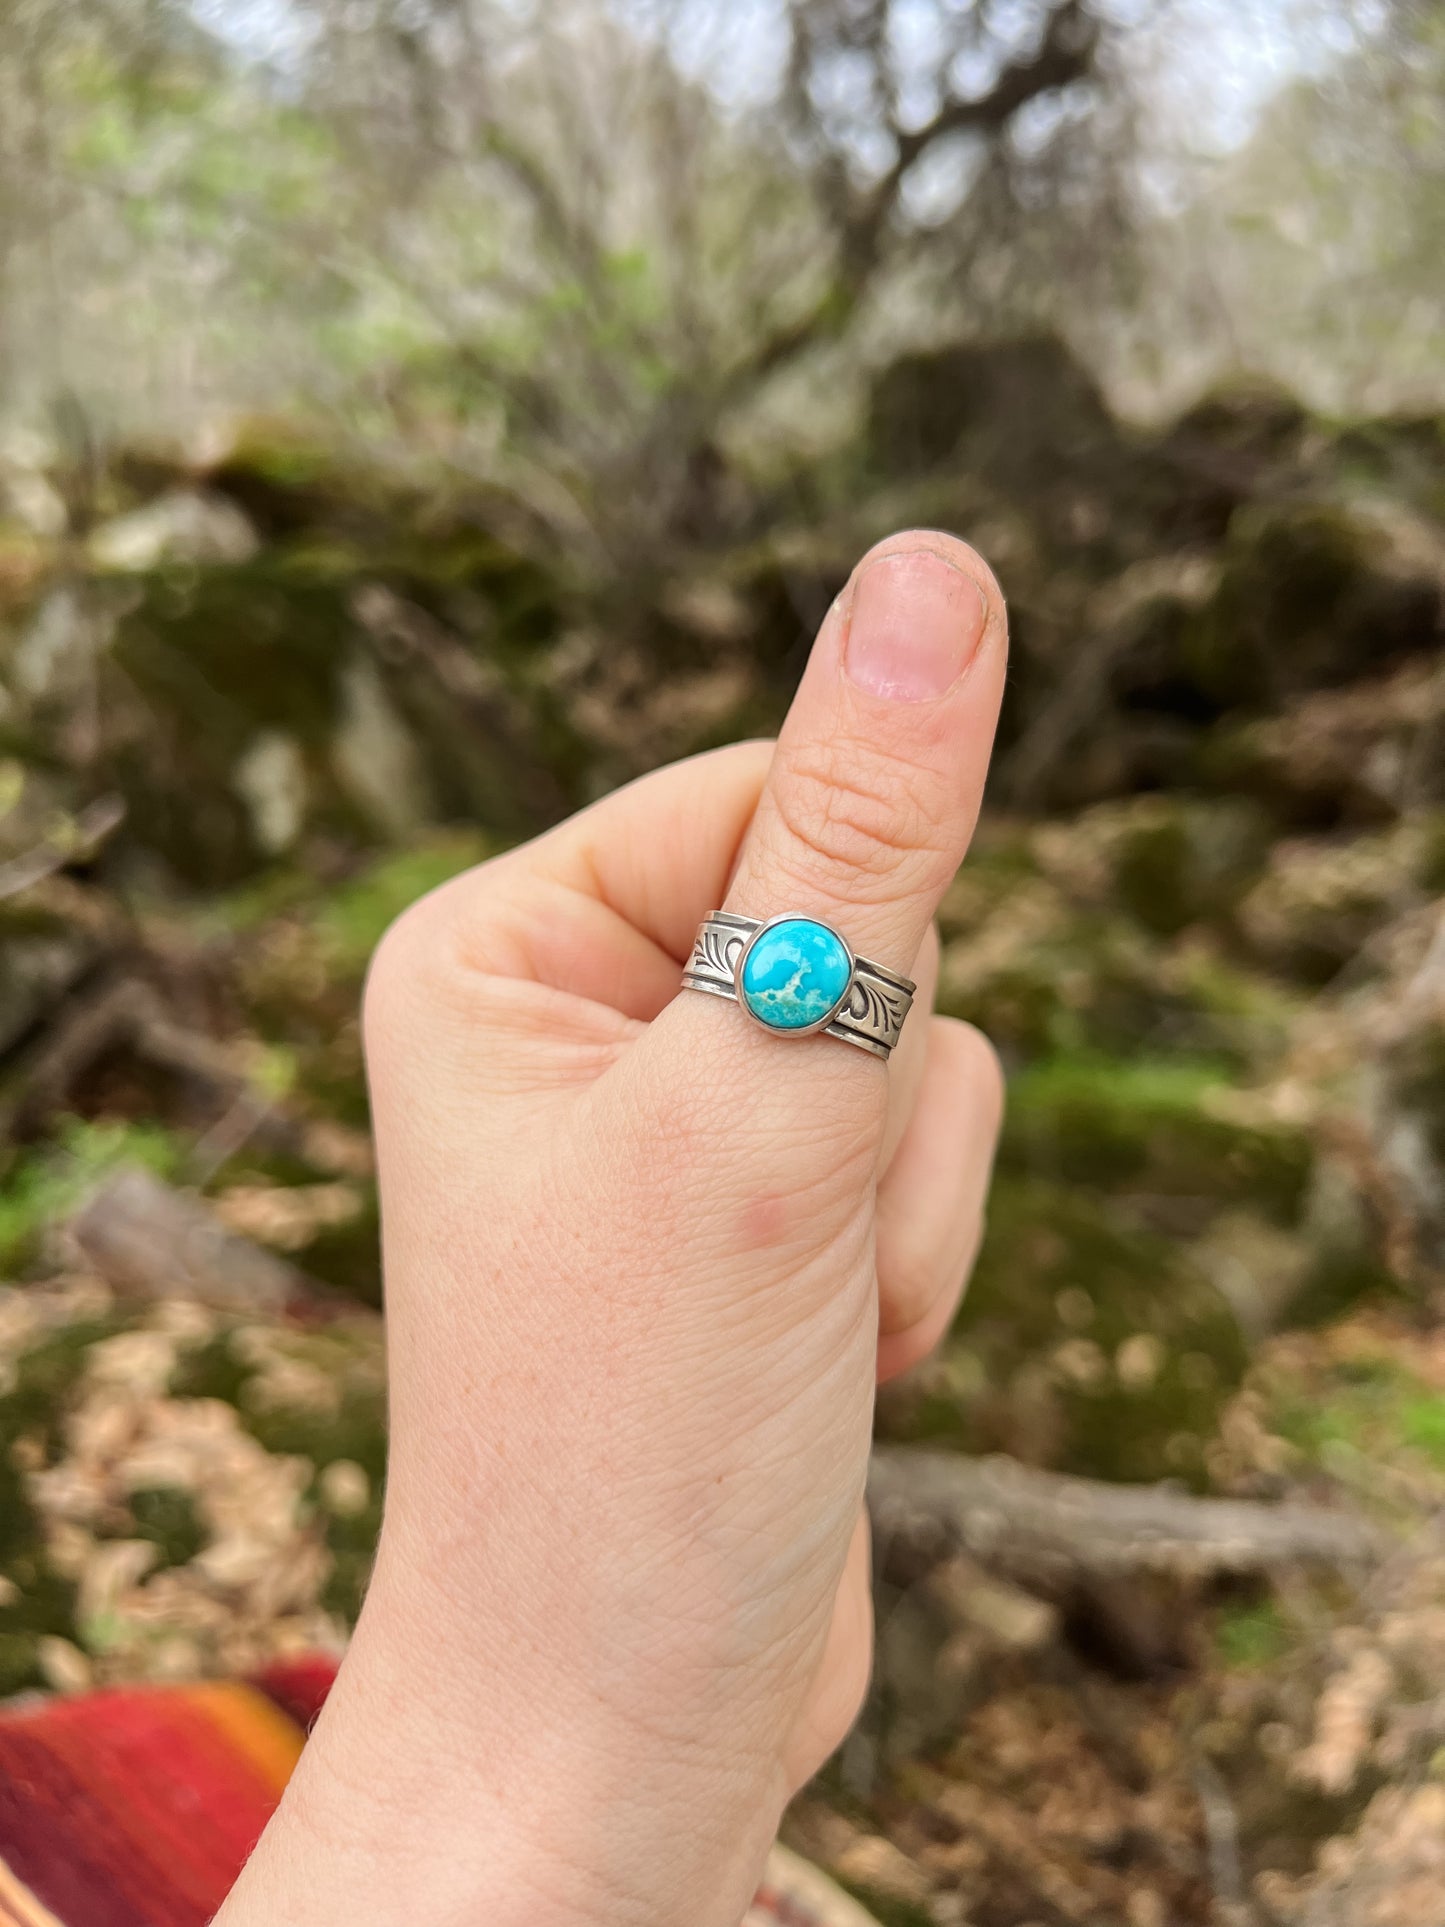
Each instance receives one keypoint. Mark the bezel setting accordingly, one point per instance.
(793, 1030)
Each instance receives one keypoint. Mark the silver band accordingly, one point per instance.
(872, 1008)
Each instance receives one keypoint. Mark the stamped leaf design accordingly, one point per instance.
(716, 950)
(877, 1006)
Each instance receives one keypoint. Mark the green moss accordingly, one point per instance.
(1371, 1409)
(348, 1256)
(351, 1542)
(19, 1662)
(1180, 862)
(46, 1184)
(166, 1516)
(357, 1431)
(1154, 1124)
(234, 647)
(1341, 1275)
(1422, 1426)
(1432, 854)
(1417, 1077)
(35, 1406)
(1289, 609)
(212, 1370)
(1046, 977)
(1034, 1364)
(43, 1602)
(1251, 1635)
(255, 903)
(46, 1375)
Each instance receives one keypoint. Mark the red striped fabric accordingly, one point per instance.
(137, 1806)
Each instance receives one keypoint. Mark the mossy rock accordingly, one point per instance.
(1048, 965)
(1237, 441)
(1178, 861)
(207, 664)
(1403, 455)
(1086, 1342)
(1307, 599)
(1016, 409)
(254, 703)
(1322, 899)
(238, 647)
(1162, 1127)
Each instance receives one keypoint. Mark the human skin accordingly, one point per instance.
(645, 1263)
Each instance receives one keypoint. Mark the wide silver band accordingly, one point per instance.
(873, 1008)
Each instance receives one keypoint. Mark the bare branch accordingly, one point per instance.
(1065, 54)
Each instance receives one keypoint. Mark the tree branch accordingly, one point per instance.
(1065, 54)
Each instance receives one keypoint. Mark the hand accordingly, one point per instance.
(643, 1265)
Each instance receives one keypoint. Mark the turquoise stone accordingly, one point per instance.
(794, 975)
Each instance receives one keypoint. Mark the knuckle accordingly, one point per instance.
(430, 958)
(392, 979)
(854, 812)
(417, 968)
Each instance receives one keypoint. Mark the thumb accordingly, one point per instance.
(879, 770)
(871, 798)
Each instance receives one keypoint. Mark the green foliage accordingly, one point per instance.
(1372, 1411)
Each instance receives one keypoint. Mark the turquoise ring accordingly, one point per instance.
(797, 977)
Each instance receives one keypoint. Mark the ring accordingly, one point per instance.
(796, 977)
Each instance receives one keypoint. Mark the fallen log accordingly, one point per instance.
(1046, 1529)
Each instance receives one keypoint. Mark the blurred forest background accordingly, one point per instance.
(416, 417)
